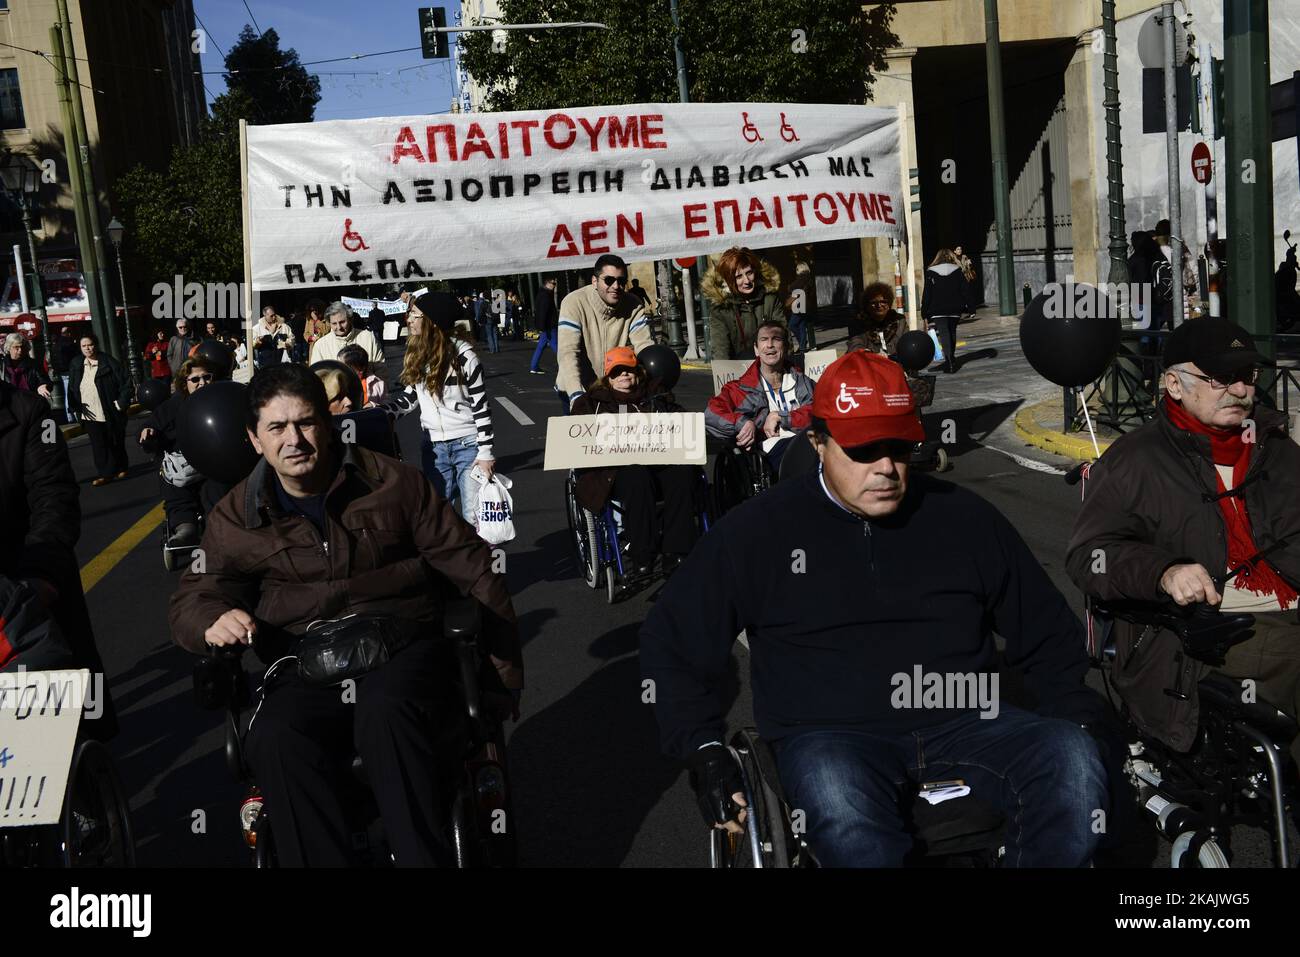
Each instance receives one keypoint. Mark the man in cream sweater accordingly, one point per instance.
(595, 319)
(342, 333)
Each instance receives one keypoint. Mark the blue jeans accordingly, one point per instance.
(544, 338)
(1043, 773)
(448, 465)
(799, 331)
(490, 332)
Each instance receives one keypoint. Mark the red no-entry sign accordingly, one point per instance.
(1202, 163)
(686, 262)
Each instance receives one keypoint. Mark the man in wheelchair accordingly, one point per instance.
(318, 532)
(858, 587)
(768, 404)
(1205, 488)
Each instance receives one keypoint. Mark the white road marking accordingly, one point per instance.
(1027, 463)
(522, 417)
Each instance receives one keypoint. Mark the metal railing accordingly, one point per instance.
(1128, 393)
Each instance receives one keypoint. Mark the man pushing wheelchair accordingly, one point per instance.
(868, 596)
(329, 559)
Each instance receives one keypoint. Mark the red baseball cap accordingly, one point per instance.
(863, 397)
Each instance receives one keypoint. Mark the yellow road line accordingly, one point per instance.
(103, 563)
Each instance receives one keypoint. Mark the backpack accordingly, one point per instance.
(1162, 280)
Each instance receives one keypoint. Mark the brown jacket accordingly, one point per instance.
(595, 486)
(1146, 509)
(392, 546)
(891, 330)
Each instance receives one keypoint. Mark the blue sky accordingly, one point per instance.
(324, 29)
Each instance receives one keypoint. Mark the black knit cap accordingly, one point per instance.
(440, 308)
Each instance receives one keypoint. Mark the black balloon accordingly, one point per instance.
(915, 350)
(352, 379)
(213, 435)
(1069, 333)
(216, 356)
(152, 393)
(662, 366)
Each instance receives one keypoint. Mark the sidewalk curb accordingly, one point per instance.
(1036, 426)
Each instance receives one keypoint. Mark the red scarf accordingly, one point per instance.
(1227, 447)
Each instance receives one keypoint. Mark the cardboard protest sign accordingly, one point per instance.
(727, 370)
(39, 714)
(632, 438)
(815, 363)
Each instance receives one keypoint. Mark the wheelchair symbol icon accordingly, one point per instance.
(750, 131)
(793, 137)
(352, 240)
(844, 402)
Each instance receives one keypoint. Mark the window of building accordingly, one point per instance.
(11, 100)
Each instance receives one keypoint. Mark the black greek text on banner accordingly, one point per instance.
(343, 202)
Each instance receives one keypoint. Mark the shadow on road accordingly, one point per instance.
(977, 420)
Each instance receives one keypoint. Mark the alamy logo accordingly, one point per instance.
(951, 690)
(74, 910)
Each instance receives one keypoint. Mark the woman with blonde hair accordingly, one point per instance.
(743, 292)
(945, 300)
(444, 380)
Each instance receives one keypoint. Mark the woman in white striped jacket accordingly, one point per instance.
(444, 380)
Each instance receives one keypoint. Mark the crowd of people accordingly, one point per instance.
(328, 530)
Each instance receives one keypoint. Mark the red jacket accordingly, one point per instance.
(745, 399)
(155, 353)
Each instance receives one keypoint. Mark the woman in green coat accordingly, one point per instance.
(742, 290)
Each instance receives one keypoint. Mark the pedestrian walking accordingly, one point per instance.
(547, 316)
(179, 346)
(155, 358)
(20, 370)
(65, 351)
(99, 393)
(945, 300)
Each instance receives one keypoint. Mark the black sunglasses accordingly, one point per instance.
(206, 377)
(614, 281)
(897, 449)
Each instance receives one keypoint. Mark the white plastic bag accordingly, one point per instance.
(938, 348)
(496, 510)
(177, 471)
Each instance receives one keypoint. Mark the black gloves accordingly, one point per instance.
(715, 777)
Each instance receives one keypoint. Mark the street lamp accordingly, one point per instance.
(115, 231)
(22, 181)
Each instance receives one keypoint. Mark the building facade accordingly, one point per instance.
(140, 89)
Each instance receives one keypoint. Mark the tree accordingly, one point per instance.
(785, 51)
(187, 220)
(280, 88)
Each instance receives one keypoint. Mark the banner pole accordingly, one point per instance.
(248, 244)
(909, 234)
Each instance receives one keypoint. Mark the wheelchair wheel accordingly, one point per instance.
(764, 843)
(96, 824)
(611, 586)
(264, 855)
(1209, 855)
(941, 463)
(463, 832)
(582, 533)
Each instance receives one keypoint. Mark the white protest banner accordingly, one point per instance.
(629, 438)
(728, 370)
(815, 363)
(39, 714)
(366, 306)
(342, 202)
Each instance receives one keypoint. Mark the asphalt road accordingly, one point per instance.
(591, 788)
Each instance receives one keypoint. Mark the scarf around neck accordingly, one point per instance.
(1229, 448)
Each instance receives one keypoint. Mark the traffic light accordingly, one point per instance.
(433, 44)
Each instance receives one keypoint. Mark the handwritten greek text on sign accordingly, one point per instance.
(633, 438)
(728, 370)
(815, 363)
(39, 714)
(346, 202)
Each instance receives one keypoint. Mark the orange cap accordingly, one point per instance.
(622, 356)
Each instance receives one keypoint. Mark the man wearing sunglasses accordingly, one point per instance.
(1207, 486)
(856, 585)
(594, 320)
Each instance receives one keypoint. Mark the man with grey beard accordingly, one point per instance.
(1207, 486)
